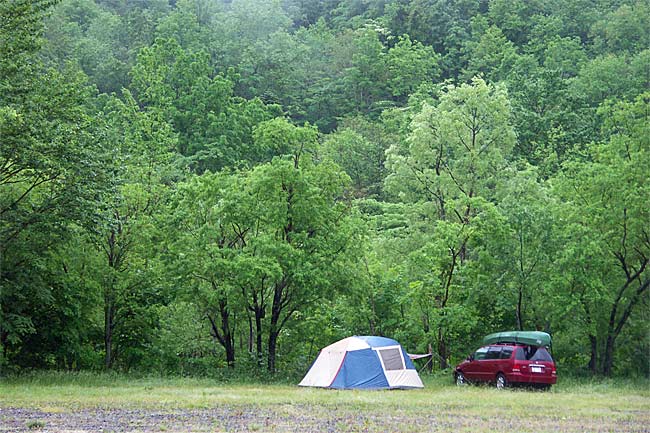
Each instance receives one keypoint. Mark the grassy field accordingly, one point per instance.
(84, 403)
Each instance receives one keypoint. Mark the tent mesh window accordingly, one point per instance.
(392, 359)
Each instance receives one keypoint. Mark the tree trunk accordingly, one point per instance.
(593, 341)
(230, 355)
(520, 319)
(273, 342)
(273, 328)
(442, 351)
(109, 326)
(608, 361)
(279, 302)
(259, 315)
(228, 336)
(249, 343)
(115, 257)
(593, 360)
(616, 322)
(223, 332)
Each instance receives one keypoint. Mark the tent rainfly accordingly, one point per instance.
(363, 363)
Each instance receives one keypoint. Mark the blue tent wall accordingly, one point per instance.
(360, 369)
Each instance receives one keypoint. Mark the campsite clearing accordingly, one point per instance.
(187, 405)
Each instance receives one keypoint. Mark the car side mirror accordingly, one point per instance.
(470, 357)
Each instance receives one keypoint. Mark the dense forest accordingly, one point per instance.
(214, 187)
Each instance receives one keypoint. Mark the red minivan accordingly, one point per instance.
(507, 364)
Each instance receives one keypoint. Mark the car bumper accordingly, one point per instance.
(530, 378)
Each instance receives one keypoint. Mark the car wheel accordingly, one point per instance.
(460, 379)
(501, 381)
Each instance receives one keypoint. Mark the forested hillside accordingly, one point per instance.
(225, 186)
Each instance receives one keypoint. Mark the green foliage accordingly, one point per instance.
(492, 55)
(623, 30)
(410, 64)
(36, 424)
(446, 171)
(264, 245)
(214, 126)
(605, 236)
(82, 32)
(360, 158)
(454, 148)
(443, 25)
(183, 345)
(460, 167)
(53, 174)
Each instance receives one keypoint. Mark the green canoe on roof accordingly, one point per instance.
(532, 338)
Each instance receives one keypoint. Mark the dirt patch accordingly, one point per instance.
(295, 418)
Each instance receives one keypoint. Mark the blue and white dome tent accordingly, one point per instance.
(363, 363)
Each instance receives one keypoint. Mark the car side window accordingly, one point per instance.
(480, 354)
(506, 352)
(493, 352)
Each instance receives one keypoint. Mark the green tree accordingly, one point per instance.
(361, 159)
(545, 122)
(623, 30)
(365, 75)
(409, 64)
(245, 22)
(276, 238)
(52, 168)
(144, 144)
(214, 126)
(192, 24)
(305, 13)
(523, 261)
(491, 55)
(82, 32)
(611, 77)
(446, 170)
(276, 69)
(606, 240)
(442, 25)
(208, 245)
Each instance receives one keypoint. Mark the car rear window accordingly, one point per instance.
(541, 354)
(532, 353)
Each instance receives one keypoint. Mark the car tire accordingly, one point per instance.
(500, 381)
(460, 379)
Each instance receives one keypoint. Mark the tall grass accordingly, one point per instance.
(432, 382)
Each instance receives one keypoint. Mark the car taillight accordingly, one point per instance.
(516, 368)
(553, 372)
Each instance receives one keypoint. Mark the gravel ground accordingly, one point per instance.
(295, 418)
